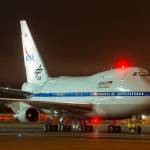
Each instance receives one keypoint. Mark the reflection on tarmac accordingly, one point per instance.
(78, 135)
(32, 137)
(31, 130)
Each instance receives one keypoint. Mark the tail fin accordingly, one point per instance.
(35, 70)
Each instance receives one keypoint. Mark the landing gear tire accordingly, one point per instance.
(86, 128)
(49, 127)
(114, 129)
(53, 128)
(67, 128)
(136, 130)
(46, 127)
(139, 129)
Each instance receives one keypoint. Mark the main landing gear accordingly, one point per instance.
(67, 128)
(114, 129)
(70, 126)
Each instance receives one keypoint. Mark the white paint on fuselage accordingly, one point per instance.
(104, 106)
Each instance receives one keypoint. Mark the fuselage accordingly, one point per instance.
(117, 93)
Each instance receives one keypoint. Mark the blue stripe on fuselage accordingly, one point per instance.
(87, 94)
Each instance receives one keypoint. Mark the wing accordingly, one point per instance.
(78, 108)
(14, 92)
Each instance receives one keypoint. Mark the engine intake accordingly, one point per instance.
(32, 115)
(28, 115)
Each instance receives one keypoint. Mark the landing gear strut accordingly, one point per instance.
(67, 128)
(114, 129)
(61, 126)
(86, 128)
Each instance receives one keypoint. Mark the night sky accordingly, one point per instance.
(74, 37)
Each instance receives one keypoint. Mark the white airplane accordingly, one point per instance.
(113, 94)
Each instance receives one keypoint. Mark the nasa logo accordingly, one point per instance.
(29, 57)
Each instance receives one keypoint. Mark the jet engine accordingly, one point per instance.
(28, 115)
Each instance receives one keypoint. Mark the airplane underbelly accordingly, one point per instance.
(122, 107)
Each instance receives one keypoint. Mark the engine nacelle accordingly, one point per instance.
(28, 115)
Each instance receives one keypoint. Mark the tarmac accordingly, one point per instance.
(32, 137)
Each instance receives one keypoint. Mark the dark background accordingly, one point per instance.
(74, 37)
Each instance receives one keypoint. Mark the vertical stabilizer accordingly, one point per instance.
(35, 69)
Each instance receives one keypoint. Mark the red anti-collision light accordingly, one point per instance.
(95, 120)
(122, 64)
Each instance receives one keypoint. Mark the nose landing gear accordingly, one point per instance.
(134, 124)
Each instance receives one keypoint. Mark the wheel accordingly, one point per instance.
(54, 128)
(85, 128)
(117, 129)
(67, 128)
(110, 129)
(49, 127)
(88, 128)
(46, 127)
(61, 127)
(82, 128)
(139, 129)
(114, 129)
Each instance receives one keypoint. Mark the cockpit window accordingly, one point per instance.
(141, 74)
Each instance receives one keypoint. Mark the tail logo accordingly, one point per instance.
(29, 57)
(37, 72)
